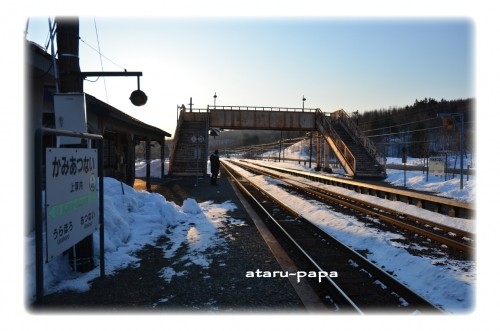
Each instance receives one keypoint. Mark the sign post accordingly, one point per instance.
(448, 123)
(403, 160)
(74, 206)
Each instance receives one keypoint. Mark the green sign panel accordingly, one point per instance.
(72, 206)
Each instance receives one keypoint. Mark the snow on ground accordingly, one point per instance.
(415, 180)
(154, 165)
(449, 284)
(459, 223)
(132, 220)
(137, 218)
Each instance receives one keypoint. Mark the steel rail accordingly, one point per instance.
(386, 278)
(340, 294)
(359, 205)
(388, 193)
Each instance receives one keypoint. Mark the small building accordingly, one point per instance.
(121, 132)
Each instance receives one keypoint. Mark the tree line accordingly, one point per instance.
(426, 128)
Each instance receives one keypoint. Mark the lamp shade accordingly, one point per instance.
(138, 98)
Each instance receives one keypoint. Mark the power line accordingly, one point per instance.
(405, 132)
(395, 112)
(416, 130)
(410, 142)
(399, 125)
(98, 52)
(100, 57)
(267, 146)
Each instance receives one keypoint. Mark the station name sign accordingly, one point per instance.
(72, 204)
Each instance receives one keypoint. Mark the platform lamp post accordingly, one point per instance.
(461, 117)
(215, 98)
(310, 134)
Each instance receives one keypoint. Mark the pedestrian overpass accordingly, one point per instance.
(356, 153)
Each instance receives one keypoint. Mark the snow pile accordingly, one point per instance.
(154, 168)
(446, 282)
(132, 220)
(449, 188)
(416, 180)
(137, 218)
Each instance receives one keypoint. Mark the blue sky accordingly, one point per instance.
(332, 75)
(354, 64)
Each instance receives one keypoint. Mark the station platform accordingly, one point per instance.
(220, 287)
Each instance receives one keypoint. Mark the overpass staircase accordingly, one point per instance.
(190, 146)
(357, 154)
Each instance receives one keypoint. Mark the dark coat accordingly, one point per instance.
(214, 162)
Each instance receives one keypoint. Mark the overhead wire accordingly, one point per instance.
(399, 112)
(266, 146)
(409, 131)
(100, 57)
(97, 51)
(49, 37)
(399, 125)
(397, 133)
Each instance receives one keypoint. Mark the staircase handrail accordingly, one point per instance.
(176, 136)
(341, 117)
(339, 143)
(261, 108)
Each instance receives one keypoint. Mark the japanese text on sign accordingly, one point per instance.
(63, 166)
(71, 197)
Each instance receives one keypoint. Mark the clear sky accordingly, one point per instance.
(350, 63)
(195, 49)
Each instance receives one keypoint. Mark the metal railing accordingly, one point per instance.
(347, 155)
(180, 119)
(243, 108)
(341, 117)
(256, 108)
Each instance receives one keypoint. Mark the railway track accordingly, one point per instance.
(443, 235)
(349, 282)
(423, 201)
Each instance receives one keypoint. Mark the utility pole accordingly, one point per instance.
(318, 151)
(68, 31)
(310, 147)
(461, 118)
(70, 80)
(281, 142)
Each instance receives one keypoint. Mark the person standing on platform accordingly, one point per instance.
(214, 167)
